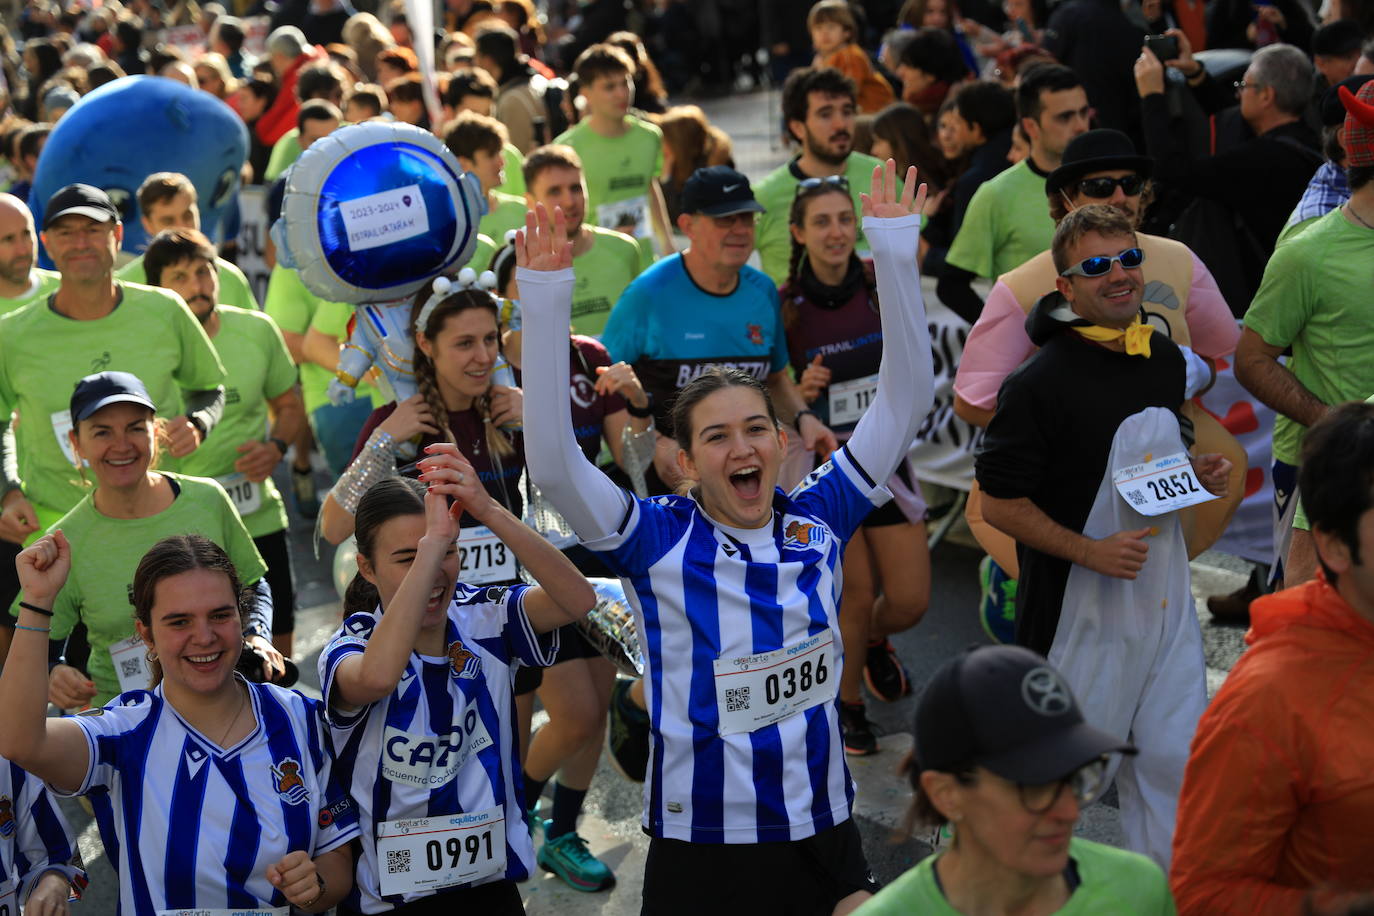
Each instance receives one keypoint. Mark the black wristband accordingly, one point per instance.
(280, 444)
(199, 424)
(36, 610)
(646, 411)
(796, 421)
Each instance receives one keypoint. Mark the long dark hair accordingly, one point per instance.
(386, 499)
(797, 217)
(172, 556)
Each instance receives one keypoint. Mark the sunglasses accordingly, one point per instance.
(1102, 188)
(1098, 266)
(1086, 784)
(811, 184)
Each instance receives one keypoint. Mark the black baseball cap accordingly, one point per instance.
(1331, 110)
(80, 200)
(718, 190)
(1005, 709)
(105, 388)
(1097, 151)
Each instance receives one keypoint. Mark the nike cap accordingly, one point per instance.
(105, 388)
(1005, 709)
(80, 200)
(718, 190)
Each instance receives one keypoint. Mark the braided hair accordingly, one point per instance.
(797, 217)
(426, 382)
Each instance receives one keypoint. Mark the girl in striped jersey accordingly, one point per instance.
(212, 794)
(419, 683)
(736, 588)
(39, 864)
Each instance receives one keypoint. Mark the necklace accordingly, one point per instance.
(243, 699)
(1363, 221)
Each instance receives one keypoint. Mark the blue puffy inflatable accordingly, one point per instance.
(126, 130)
(374, 211)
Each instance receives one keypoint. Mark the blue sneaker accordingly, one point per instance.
(568, 857)
(997, 607)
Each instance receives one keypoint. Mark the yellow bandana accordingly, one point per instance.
(1137, 336)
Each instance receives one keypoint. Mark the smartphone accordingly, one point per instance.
(1165, 47)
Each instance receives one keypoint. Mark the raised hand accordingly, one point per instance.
(882, 200)
(543, 243)
(43, 568)
(620, 379)
(448, 473)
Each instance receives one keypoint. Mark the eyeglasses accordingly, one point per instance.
(1102, 188)
(1086, 784)
(811, 184)
(1242, 85)
(1130, 259)
(734, 219)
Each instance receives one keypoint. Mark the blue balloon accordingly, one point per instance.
(126, 130)
(376, 210)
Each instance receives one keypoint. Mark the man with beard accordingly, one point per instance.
(604, 261)
(1087, 438)
(818, 106)
(260, 384)
(20, 281)
(1006, 223)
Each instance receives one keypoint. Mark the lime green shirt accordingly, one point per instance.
(620, 173)
(1007, 223)
(1315, 298)
(43, 354)
(600, 275)
(776, 192)
(482, 253)
(1112, 881)
(508, 214)
(233, 285)
(514, 184)
(257, 368)
(285, 152)
(109, 550)
(41, 283)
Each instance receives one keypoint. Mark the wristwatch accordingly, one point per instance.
(646, 411)
(796, 421)
(280, 444)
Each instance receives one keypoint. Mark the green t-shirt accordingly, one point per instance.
(482, 253)
(257, 368)
(1007, 223)
(508, 214)
(233, 285)
(515, 171)
(1315, 298)
(620, 173)
(285, 152)
(108, 551)
(600, 276)
(776, 192)
(41, 283)
(151, 333)
(1112, 881)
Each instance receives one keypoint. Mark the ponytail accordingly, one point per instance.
(360, 597)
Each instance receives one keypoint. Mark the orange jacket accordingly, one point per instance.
(1278, 797)
(874, 92)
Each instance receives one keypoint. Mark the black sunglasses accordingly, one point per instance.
(1102, 188)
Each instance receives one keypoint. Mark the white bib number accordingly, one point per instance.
(849, 400)
(628, 216)
(246, 494)
(428, 853)
(265, 911)
(757, 690)
(61, 426)
(130, 657)
(483, 557)
(1161, 485)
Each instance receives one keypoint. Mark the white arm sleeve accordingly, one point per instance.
(906, 384)
(591, 503)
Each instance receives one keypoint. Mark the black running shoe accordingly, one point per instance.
(627, 733)
(859, 740)
(884, 674)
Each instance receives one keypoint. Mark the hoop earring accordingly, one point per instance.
(150, 655)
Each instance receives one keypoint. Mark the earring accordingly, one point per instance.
(151, 655)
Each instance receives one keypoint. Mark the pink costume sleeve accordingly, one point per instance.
(997, 344)
(1212, 327)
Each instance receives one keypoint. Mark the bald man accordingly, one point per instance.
(20, 281)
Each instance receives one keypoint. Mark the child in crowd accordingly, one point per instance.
(833, 34)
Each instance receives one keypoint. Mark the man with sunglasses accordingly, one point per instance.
(706, 307)
(1180, 300)
(1078, 466)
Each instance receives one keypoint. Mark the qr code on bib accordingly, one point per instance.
(736, 699)
(128, 667)
(397, 861)
(1137, 498)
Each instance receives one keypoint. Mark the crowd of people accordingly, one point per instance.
(706, 385)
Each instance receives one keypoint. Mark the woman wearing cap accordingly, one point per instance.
(736, 591)
(129, 508)
(1003, 758)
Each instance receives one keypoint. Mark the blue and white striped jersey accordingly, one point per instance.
(742, 654)
(188, 825)
(34, 838)
(444, 741)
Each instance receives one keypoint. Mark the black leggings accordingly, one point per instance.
(499, 898)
